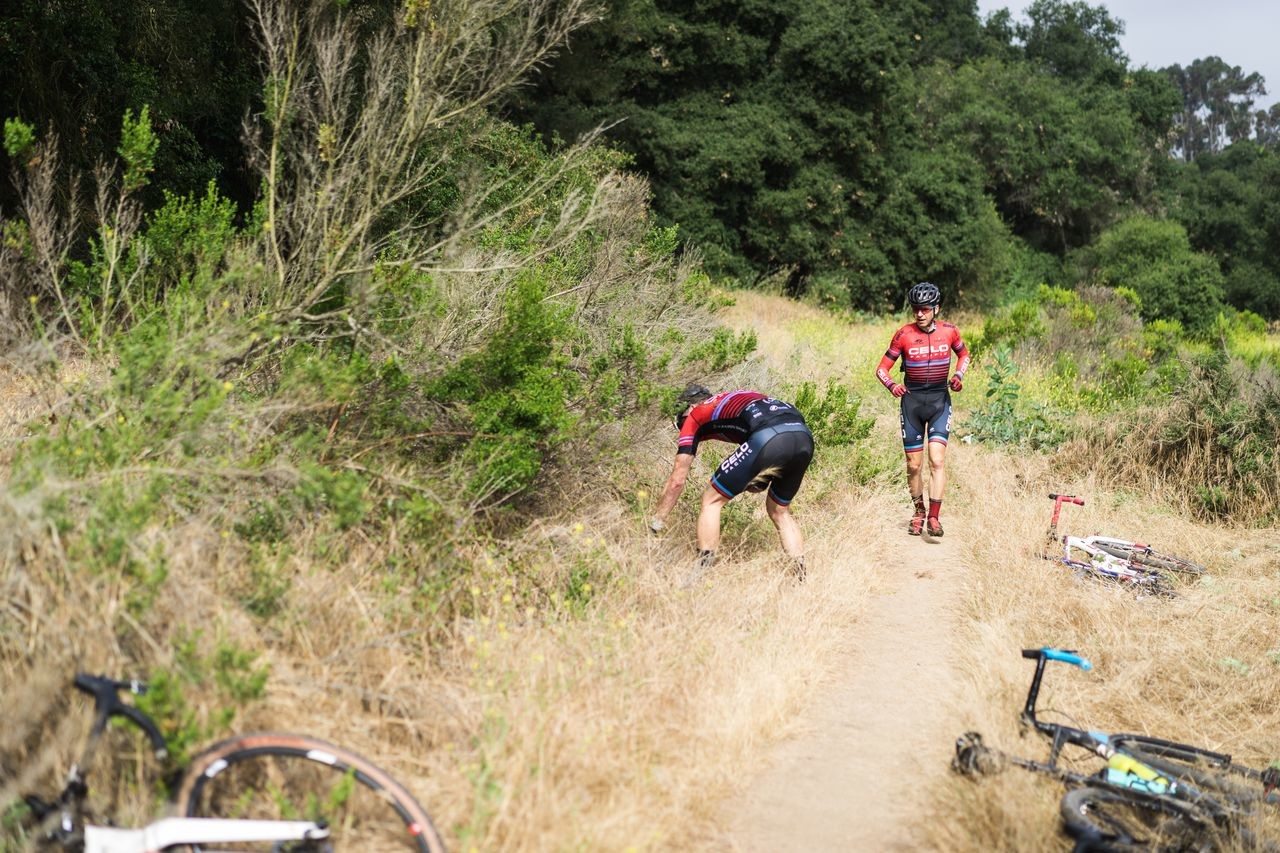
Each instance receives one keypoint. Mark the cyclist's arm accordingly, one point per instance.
(962, 356)
(675, 485)
(882, 372)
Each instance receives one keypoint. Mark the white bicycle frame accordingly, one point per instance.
(175, 831)
(1096, 559)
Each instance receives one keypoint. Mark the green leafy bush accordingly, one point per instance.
(19, 138)
(1005, 417)
(833, 417)
(222, 679)
(515, 392)
(1154, 258)
(725, 348)
(1012, 324)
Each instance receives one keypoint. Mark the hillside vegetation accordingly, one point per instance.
(364, 444)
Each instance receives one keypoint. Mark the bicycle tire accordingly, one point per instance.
(1196, 767)
(273, 775)
(1111, 820)
(1142, 556)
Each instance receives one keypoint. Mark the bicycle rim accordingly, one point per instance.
(1152, 558)
(1111, 819)
(292, 777)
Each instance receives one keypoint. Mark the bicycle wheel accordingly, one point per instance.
(1113, 819)
(1143, 556)
(1195, 767)
(275, 776)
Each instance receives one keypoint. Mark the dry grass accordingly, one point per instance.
(544, 721)
(1202, 668)
(618, 717)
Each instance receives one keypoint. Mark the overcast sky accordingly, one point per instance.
(1158, 33)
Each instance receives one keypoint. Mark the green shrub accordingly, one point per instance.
(1014, 323)
(187, 240)
(223, 681)
(832, 418)
(514, 392)
(1005, 417)
(19, 138)
(725, 349)
(1154, 258)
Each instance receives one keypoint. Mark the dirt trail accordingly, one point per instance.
(876, 733)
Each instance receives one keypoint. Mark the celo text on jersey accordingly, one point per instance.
(928, 350)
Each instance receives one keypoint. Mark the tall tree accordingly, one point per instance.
(1074, 40)
(781, 136)
(1060, 160)
(1217, 105)
(75, 66)
(1229, 203)
(1266, 127)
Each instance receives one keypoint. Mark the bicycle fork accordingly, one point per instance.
(1051, 536)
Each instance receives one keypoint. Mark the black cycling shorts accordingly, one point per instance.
(925, 416)
(782, 452)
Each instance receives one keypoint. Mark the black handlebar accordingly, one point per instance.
(107, 704)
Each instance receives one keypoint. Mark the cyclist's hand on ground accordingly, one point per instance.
(955, 383)
(657, 525)
(898, 390)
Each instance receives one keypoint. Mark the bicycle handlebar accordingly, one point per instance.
(1067, 499)
(1063, 655)
(107, 704)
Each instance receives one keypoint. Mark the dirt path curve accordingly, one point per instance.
(875, 734)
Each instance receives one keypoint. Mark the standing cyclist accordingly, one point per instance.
(925, 346)
(775, 447)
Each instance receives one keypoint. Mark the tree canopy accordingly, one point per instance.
(851, 147)
(858, 146)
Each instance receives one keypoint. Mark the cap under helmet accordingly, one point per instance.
(924, 293)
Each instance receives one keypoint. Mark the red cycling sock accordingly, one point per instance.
(935, 508)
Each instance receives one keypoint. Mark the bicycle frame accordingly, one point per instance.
(1099, 743)
(1123, 770)
(173, 831)
(1095, 558)
(1127, 775)
(72, 829)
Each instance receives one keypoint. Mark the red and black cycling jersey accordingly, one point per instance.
(732, 417)
(926, 356)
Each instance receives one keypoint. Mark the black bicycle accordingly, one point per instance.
(1152, 794)
(264, 792)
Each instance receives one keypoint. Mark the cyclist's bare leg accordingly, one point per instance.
(709, 519)
(788, 529)
(937, 473)
(915, 460)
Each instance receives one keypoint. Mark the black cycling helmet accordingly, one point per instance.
(925, 293)
(692, 394)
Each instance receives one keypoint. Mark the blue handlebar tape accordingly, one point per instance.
(1067, 657)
